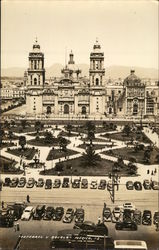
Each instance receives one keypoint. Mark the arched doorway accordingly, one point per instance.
(135, 109)
(66, 109)
(48, 110)
(83, 110)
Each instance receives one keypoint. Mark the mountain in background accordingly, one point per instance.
(114, 71)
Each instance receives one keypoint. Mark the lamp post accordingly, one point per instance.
(115, 179)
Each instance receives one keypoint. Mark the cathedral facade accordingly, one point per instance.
(74, 96)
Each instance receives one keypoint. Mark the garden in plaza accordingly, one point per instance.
(87, 149)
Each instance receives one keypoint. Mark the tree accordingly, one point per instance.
(48, 139)
(23, 124)
(127, 130)
(157, 158)
(132, 168)
(147, 155)
(59, 167)
(2, 134)
(69, 128)
(10, 135)
(90, 126)
(90, 158)
(63, 143)
(22, 141)
(13, 123)
(38, 126)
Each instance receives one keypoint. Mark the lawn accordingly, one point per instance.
(95, 146)
(128, 153)
(66, 134)
(8, 166)
(28, 152)
(76, 167)
(57, 153)
(98, 129)
(141, 137)
(19, 129)
(7, 144)
(41, 142)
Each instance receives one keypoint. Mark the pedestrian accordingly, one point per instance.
(2, 204)
(155, 171)
(18, 227)
(148, 171)
(152, 172)
(20, 161)
(15, 227)
(105, 205)
(99, 220)
(28, 198)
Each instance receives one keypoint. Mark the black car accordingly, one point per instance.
(102, 184)
(84, 183)
(68, 218)
(40, 182)
(14, 182)
(137, 216)
(57, 183)
(126, 225)
(59, 212)
(79, 215)
(7, 182)
(76, 183)
(49, 212)
(137, 185)
(39, 212)
(22, 182)
(147, 184)
(156, 218)
(48, 184)
(147, 217)
(16, 210)
(6, 219)
(90, 228)
(65, 183)
(127, 215)
(129, 185)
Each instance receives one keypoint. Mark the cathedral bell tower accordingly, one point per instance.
(96, 75)
(36, 79)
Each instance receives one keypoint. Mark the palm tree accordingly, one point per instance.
(69, 128)
(48, 139)
(127, 130)
(38, 126)
(90, 158)
(22, 141)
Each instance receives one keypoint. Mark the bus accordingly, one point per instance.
(130, 244)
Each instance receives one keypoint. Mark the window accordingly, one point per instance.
(35, 81)
(97, 81)
(120, 109)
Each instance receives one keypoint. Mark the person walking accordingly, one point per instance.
(28, 198)
(148, 171)
(2, 204)
(99, 220)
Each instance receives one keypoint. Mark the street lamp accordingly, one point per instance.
(115, 182)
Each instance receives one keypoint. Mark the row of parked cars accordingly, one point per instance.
(147, 185)
(127, 217)
(48, 183)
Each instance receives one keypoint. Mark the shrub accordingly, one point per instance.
(59, 167)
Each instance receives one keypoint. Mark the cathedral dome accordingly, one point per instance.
(132, 80)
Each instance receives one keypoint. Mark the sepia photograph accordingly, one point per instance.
(79, 125)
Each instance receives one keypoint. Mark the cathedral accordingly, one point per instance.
(74, 96)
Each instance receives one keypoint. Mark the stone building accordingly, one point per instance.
(73, 96)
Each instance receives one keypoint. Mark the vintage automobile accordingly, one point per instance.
(49, 212)
(28, 213)
(68, 218)
(147, 217)
(39, 212)
(84, 183)
(59, 211)
(126, 225)
(79, 215)
(107, 215)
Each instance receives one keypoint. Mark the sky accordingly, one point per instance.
(126, 30)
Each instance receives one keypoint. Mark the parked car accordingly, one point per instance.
(14, 182)
(109, 185)
(156, 218)
(7, 182)
(79, 215)
(6, 219)
(76, 183)
(127, 215)
(126, 225)
(128, 205)
(93, 185)
(48, 184)
(107, 215)
(147, 217)
(137, 185)
(90, 228)
(65, 183)
(16, 210)
(40, 182)
(57, 183)
(146, 184)
(84, 183)
(39, 212)
(49, 212)
(59, 211)
(30, 183)
(130, 185)
(155, 185)
(68, 218)
(102, 184)
(28, 213)
(137, 216)
(22, 182)
(116, 214)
